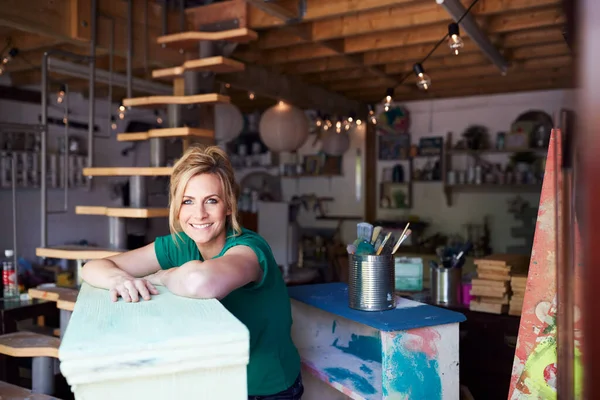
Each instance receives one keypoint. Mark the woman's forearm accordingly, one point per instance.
(189, 280)
(101, 273)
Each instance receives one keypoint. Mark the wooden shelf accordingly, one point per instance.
(157, 101)
(218, 65)
(29, 344)
(493, 151)
(312, 176)
(497, 187)
(189, 40)
(123, 212)
(73, 252)
(166, 132)
(128, 171)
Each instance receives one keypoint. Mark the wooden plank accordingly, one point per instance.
(132, 137)
(189, 357)
(73, 252)
(13, 392)
(190, 40)
(154, 101)
(53, 293)
(408, 16)
(29, 344)
(128, 171)
(124, 212)
(218, 65)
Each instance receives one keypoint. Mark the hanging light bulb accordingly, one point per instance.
(358, 122)
(11, 54)
(389, 97)
(121, 111)
(159, 119)
(113, 123)
(372, 115)
(454, 40)
(251, 95)
(61, 94)
(423, 80)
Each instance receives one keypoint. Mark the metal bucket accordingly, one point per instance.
(371, 282)
(446, 285)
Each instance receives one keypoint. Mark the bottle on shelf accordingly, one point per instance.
(9, 275)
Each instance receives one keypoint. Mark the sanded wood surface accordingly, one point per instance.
(74, 252)
(123, 212)
(53, 293)
(13, 392)
(155, 101)
(190, 40)
(128, 171)
(29, 344)
(167, 347)
(217, 64)
(166, 132)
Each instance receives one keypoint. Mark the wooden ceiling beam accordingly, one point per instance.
(427, 35)
(316, 10)
(404, 16)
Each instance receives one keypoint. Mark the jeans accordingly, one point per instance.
(294, 392)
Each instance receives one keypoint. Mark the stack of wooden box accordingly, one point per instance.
(492, 287)
(518, 283)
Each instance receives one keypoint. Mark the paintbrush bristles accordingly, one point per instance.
(364, 231)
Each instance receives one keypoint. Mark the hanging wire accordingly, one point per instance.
(442, 40)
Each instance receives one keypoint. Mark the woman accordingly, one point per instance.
(208, 255)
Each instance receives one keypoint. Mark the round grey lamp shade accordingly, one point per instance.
(283, 127)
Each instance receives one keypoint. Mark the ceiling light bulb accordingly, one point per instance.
(455, 42)
(358, 122)
(423, 80)
(251, 95)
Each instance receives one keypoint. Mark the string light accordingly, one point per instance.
(61, 94)
(251, 95)
(455, 42)
(121, 111)
(423, 80)
(389, 97)
(11, 54)
(113, 123)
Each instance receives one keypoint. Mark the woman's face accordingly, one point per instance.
(203, 213)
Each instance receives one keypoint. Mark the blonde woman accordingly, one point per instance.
(209, 255)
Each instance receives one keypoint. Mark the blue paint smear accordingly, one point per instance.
(359, 383)
(367, 348)
(366, 369)
(414, 375)
(333, 326)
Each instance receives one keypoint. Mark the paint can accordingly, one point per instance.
(446, 285)
(371, 281)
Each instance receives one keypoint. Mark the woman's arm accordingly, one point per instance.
(214, 278)
(121, 273)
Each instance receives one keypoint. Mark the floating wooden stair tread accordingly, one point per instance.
(189, 40)
(124, 212)
(73, 252)
(14, 392)
(29, 344)
(53, 293)
(166, 132)
(128, 171)
(155, 101)
(218, 65)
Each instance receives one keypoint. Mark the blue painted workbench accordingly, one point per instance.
(410, 352)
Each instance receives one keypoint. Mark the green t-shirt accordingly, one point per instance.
(264, 307)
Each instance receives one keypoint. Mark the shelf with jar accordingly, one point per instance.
(485, 170)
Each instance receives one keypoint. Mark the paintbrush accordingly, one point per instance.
(405, 229)
(381, 246)
(402, 239)
(376, 232)
(364, 231)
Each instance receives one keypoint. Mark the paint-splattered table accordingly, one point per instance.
(410, 352)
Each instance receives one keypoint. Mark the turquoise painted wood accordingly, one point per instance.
(396, 354)
(173, 345)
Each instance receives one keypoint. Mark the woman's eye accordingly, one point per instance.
(211, 201)
(187, 202)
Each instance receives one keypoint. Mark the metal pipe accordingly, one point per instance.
(164, 18)
(66, 155)
(92, 84)
(182, 15)
(43, 152)
(129, 48)
(102, 76)
(137, 191)
(14, 211)
(111, 58)
(117, 233)
(469, 25)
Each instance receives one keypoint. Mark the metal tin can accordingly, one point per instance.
(371, 281)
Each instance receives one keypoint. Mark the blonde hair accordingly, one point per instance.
(203, 160)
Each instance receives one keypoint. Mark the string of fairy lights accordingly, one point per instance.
(323, 122)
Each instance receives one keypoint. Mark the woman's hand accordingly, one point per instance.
(157, 278)
(130, 289)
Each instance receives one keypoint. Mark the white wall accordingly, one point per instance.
(436, 118)
(63, 228)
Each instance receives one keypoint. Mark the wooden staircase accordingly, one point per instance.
(214, 63)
